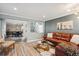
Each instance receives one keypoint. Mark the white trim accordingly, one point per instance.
(5, 13)
(32, 40)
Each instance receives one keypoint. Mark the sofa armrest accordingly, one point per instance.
(44, 37)
(78, 45)
(60, 51)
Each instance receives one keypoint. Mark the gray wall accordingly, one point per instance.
(0, 26)
(51, 25)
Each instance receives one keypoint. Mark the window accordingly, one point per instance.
(37, 27)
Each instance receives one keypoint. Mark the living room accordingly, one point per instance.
(39, 29)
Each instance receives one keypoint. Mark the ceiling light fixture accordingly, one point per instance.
(78, 17)
(76, 13)
(68, 10)
(44, 16)
(15, 8)
(74, 9)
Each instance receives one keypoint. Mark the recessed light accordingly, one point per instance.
(76, 13)
(15, 8)
(78, 17)
(44, 16)
(68, 10)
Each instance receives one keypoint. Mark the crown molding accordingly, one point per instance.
(5, 13)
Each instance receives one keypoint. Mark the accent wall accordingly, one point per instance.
(51, 25)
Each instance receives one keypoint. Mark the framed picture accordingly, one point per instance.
(68, 25)
(59, 26)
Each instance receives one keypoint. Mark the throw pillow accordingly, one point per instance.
(75, 39)
(49, 35)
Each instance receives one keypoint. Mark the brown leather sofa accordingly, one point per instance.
(67, 49)
(59, 37)
(63, 45)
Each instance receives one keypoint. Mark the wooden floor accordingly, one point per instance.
(24, 49)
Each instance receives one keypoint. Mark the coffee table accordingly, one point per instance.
(7, 46)
(45, 49)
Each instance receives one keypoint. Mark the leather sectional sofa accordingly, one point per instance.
(58, 38)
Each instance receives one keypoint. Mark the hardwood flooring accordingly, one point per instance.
(24, 49)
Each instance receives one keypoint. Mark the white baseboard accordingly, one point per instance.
(33, 40)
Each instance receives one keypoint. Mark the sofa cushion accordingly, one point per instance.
(60, 48)
(56, 35)
(69, 47)
(59, 37)
(50, 35)
(55, 40)
(65, 36)
(75, 39)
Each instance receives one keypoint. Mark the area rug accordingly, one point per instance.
(50, 52)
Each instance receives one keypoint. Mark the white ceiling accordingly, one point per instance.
(35, 11)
